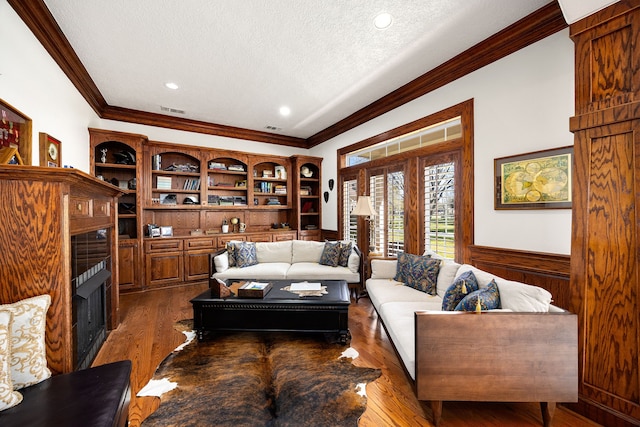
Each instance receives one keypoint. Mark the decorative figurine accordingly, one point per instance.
(104, 155)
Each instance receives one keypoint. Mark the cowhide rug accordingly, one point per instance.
(248, 379)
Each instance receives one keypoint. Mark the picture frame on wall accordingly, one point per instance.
(50, 151)
(536, 180)
(15, 133)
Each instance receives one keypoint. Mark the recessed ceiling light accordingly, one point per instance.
(382, 20)
(285, 111)
(171, 85)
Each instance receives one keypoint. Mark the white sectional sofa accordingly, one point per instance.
(290, 259)
(524, 351)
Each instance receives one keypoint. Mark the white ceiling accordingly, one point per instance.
(238, 61)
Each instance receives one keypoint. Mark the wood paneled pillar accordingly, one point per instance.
(605, 252)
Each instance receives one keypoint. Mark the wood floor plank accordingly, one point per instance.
(147, 335)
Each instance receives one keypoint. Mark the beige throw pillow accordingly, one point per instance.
(28, 352)
(8, 397)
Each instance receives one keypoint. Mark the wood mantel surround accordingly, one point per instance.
(540, 24)
(41, 209)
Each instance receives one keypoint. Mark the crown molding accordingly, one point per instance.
(189, 125)
(534, 27)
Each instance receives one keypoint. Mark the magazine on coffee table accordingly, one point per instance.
(305, 286)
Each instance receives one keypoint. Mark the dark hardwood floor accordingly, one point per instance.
(146, 336)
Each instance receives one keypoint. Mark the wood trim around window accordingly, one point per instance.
(463, 149)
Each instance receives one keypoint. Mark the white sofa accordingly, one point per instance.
(290, 259)
(525, 351)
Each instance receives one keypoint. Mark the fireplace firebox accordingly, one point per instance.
(90, 264)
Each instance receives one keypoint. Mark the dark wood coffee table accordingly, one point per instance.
(279, 310)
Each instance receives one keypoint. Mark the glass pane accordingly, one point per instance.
(378, 222)
(439, 207)
(350, 222)
(395, 213)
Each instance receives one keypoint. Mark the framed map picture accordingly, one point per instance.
(538, 180)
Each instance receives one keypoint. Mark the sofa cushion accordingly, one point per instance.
(246, 254)
(28, 352)
(331, 254)
(274, 251)
(345, 253)
(353, 263)
(515, 296)
(266, 271)
(399, 321)
(447, 274)
(461, 287)
(418, 272)
(382, 291)
(315, 271)
(8, 397)
(306, 251)
(487, 298)
(383, 268)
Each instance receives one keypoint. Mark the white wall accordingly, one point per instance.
(522, 104)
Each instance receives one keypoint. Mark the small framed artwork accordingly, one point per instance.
(537, 180)
(280, 172)
(15, 134)
(166, 231)
(241, 184)
(50, 151)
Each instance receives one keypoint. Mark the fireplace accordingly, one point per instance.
(91, 273)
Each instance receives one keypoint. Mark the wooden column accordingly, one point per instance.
(605, 280)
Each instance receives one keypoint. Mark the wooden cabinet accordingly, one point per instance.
(194, 190)
(307, 206)
(605, 261)
(44, 211)
(115, 157)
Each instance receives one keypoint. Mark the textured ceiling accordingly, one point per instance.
(238, 61)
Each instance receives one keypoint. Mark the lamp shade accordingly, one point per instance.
(363, 207)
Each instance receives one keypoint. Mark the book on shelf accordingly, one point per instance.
(273, 201)
(213, 199)
(305, 190)
(307, 207)
(191, 184)
(163, 182)
(239, 200)
(236, 168)
(280, 189)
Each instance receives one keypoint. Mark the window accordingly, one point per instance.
(429, 135)
(439, 209)
(420, 180)
(387, 227)
(349, 200)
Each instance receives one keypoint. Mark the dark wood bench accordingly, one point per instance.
(96, 397)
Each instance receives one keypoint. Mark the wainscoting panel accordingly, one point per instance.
(548, 271)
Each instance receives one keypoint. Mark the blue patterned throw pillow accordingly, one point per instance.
(488, 298)
(345, 252)
(231, 253)
(462, 286)
(246, 254)
(331, 254)
(418, 272)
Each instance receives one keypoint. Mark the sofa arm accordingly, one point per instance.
(497, 357)
(212, 266)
